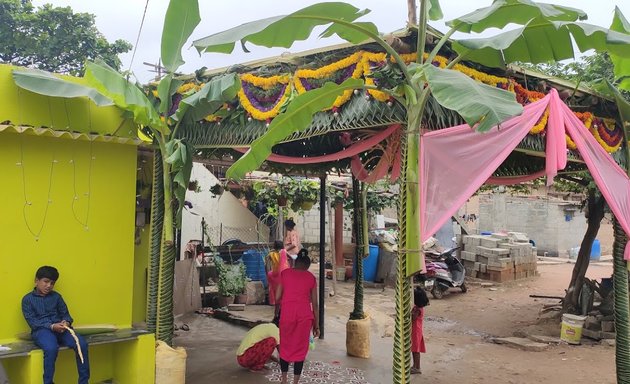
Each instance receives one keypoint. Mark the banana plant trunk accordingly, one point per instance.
(408, 244)
(620, 281)
(357, 312)
(155, 246)
(162, 251)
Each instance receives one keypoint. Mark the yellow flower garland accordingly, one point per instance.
(542, 123)
(265, 83)
(371, 57)
(188, 87)
(327, 71)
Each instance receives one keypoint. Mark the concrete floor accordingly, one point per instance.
(211, 345)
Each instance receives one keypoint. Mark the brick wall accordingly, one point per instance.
(554, 225)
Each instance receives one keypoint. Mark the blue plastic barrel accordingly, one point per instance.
(254, 261)
(370, 265)
(596, 250)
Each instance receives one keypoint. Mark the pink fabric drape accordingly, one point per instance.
(354, 149)
(455, 162)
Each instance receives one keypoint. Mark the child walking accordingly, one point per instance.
(46, 313)
(420, 301)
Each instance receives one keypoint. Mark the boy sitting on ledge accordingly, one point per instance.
(46, 313)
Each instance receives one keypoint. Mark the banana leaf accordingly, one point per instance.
(621, 66)
(296, 118)
(124, 94)
(542, 41)
(283, 31)
(182, 17)
(435, 11)
(210, 97)
(476, 102)
(179, 156)
(624, 109)
(47, 84)
(504, 12)
(167, 88)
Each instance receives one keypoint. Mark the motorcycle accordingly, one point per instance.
(443, 272)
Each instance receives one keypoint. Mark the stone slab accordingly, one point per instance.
(236, 307)
(521, 343)
(544, 339)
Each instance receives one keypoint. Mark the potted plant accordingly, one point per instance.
(240, 280)
(217, 190)
(230, 281)
(304, 193)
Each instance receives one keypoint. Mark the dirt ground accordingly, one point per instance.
(458, 331)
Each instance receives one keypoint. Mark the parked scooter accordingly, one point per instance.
(444, 271)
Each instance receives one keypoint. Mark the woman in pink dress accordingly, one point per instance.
(277, 263)
(299, 314)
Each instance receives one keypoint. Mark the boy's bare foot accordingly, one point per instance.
(415, 371)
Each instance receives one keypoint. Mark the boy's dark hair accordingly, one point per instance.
(302, 258)
(47, 272)
(278, 245)
(420, 298)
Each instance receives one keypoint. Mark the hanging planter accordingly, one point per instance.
(307, 205)
(282, 201)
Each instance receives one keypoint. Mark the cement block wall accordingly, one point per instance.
(308, 227)
(555, 225)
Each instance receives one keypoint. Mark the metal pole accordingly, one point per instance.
(203, 260)
(322, 251)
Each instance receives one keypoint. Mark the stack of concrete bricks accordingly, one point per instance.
(599, 327)
(499, 257)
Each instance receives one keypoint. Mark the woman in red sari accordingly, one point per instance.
(296, 300)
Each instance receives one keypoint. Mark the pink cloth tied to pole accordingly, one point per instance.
(354, 149)
(456, 161)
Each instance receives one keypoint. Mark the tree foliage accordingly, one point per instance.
(54, 39)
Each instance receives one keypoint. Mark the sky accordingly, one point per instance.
(121, 19)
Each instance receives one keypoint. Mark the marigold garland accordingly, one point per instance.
(609, 139)
(277, 90)
(255, 108)
(541, 125)
(366, 61)
(329, 70)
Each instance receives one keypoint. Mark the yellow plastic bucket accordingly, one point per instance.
(571, 330)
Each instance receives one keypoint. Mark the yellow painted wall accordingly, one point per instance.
(96, 261)
(22, 107)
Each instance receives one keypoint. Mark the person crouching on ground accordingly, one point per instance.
(277, 261)
(296, 302)
(420, 300)
(258, 345)
(46, 313)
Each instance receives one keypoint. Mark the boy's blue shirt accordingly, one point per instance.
(44, 311)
